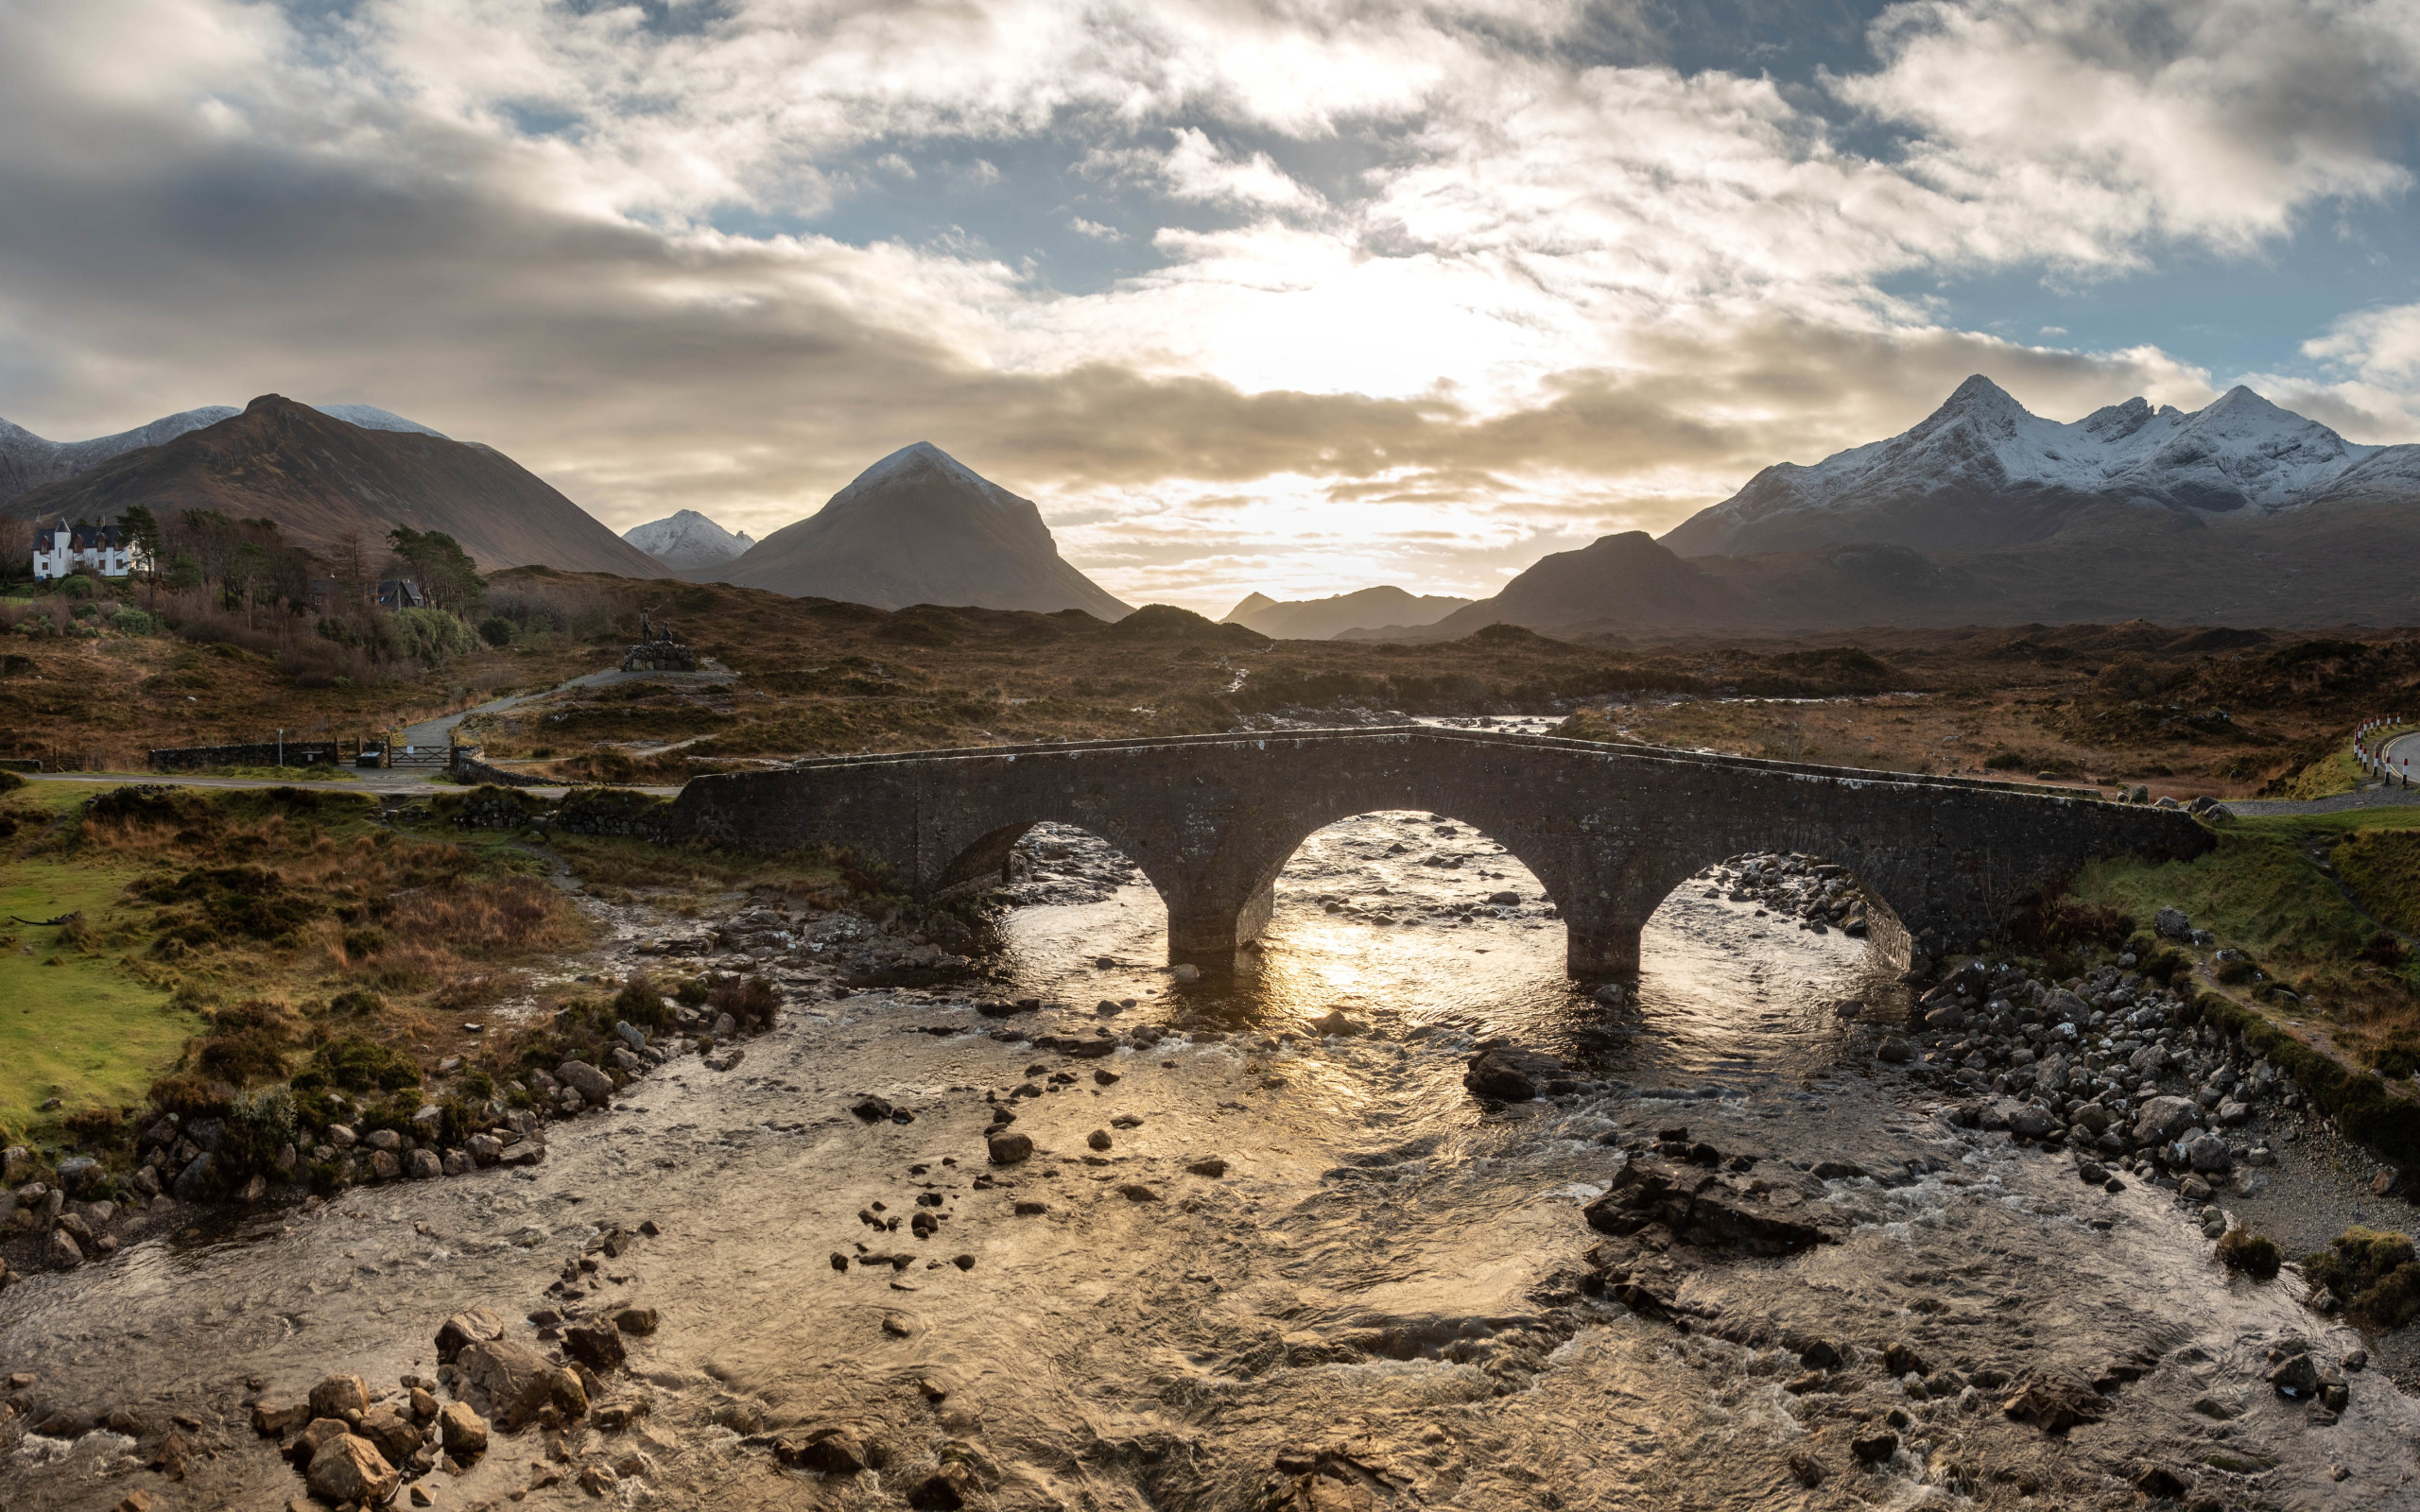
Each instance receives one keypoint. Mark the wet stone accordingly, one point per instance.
(1509, 1073)
(1872, 1449)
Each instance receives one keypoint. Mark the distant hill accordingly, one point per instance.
(1322, 619)
(920, 527)
(1983, 474)
(322, 478)
(688, 540)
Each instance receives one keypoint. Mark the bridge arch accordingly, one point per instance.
(974, 850)
(1890, 876)
(1420, 830)
(1783, 883)
(1288, 842)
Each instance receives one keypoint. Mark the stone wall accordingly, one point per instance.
(1608, 830)
(258, 753)
(582, 811)
(468, 769)
(660, 656)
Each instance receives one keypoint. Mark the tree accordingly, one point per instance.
(139, 529)
(349, 563)
(16, 548)
(443, 570)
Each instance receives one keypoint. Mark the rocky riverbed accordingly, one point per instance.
(1053, 1227)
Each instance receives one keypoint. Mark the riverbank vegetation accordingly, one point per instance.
(217, 939)
(2306, 911)
(279, 961)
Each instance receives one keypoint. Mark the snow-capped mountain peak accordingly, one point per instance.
(917, 455)
(687, 538)
(1982, 472)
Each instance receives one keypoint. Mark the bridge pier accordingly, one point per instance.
(1207, 930)
(1593, 951)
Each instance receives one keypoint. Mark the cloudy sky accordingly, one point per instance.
(1297, 297)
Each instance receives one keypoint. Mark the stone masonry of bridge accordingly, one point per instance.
(1608, 830)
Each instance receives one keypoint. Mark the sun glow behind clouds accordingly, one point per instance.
(1293, 298)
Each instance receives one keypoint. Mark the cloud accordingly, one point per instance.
(1197, 169)
(2088, 126)
(2381, 346)
(2365, 376)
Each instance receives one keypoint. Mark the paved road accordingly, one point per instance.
(2405, 750)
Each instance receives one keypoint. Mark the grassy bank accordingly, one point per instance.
(2307, 901)
(223, 936)
(77, 1021)
(2338, 771)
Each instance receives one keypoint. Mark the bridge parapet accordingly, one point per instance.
(1609, 830)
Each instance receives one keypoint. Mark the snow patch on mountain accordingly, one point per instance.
(688, 539)
(370, 418)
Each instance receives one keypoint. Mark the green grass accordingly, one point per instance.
(285, 774)
(2258, 890)
(86, 1031)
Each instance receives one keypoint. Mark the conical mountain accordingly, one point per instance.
(920, 527)
(323, 479)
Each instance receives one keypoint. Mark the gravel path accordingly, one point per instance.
(2367, 797)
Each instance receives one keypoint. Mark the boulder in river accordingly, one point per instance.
(337, 1395)
(349, 1468)
(464, 1328)
(1699, 1207)
(597, 1345)
(2054, 1403)
(512, 1378)
(390, 1427)
(1509, 1073)
(831, 1451)
(464, 1431)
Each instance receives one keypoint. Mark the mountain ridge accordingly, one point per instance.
(29, 461)
(1982, 473)
(322, 478)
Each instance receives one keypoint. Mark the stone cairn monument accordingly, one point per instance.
(657, 650)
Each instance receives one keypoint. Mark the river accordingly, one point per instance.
(1382, 1303)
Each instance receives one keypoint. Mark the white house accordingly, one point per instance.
(63, 548)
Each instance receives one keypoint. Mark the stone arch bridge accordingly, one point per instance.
(1608, 830)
